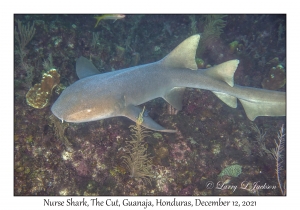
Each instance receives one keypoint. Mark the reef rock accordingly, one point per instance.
(275, 79)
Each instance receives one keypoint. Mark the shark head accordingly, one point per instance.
(86, 100)
(75, 105)
(68, 107)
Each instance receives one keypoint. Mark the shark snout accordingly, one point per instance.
(57, 112)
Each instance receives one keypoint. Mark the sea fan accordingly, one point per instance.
(137, 161)
(278, 156)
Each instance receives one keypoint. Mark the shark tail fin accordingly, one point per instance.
(274, 105)
(183, 56)
(262, 103)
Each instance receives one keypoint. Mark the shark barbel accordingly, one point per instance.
(98, 96)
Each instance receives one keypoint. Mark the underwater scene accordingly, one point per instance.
(164, 128)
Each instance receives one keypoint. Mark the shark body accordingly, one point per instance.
(98, 96)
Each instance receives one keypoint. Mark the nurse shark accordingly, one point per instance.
(98, 96)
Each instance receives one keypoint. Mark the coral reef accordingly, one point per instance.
(40, 94)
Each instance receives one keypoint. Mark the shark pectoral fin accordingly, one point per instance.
(254, 110)
(85, 68)
(223, 72)
(132, 112)
(174, 97)
(183, 56)
(227, 99)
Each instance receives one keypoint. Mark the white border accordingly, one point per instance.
(8, 8)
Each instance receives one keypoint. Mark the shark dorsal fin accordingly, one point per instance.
(85, 68)
(223, 72)
(183, 56)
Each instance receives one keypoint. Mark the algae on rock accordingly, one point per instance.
(233, 170)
